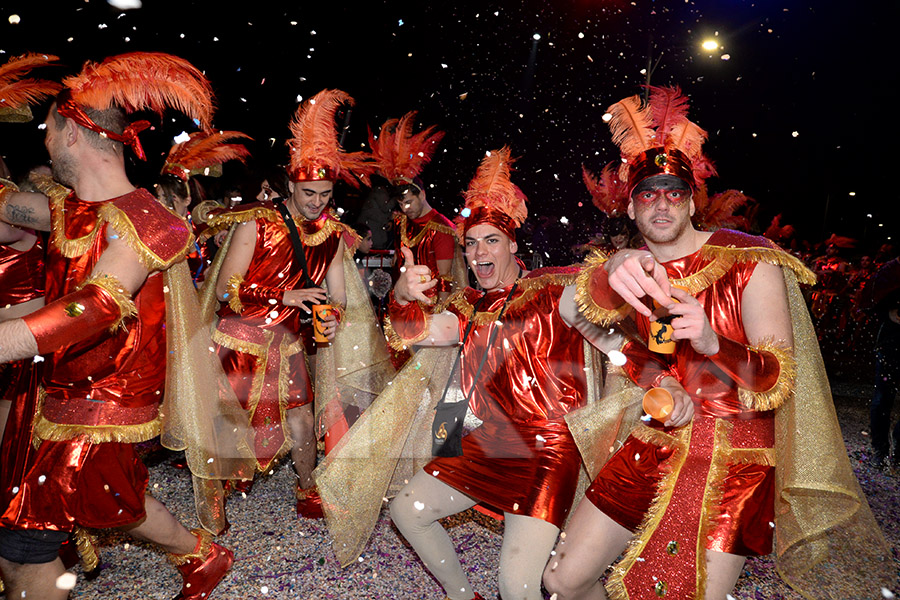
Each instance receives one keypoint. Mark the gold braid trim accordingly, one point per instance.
(530, 287)
(314, 239)
(233, 288)
(239, 345)
(773, 256)
(227, 219)
(86, 545)
(115, 289)
(96, 434)
(775, 396)
(57, 194)
(204, 545)
(121, 222)
(399, 343)
(615, 585)
(592, 311)
(412, 242)
(713, 492)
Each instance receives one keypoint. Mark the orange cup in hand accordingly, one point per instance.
(320, 312)
(658, 403)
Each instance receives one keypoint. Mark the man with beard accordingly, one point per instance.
(688, 498)
(102, 331)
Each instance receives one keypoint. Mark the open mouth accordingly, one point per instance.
(484, 269)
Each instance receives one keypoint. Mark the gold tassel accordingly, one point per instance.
(86, 545)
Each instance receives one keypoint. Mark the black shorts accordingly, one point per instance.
(31, 546)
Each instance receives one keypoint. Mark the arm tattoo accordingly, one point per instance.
(21, 215)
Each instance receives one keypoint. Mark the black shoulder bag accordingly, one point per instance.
(447, 427)
(299, 252)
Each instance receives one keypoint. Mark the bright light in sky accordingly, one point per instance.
(710, 45)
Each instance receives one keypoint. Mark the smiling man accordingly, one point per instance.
(522, 368)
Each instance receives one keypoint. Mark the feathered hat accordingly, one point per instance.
(203, 154)
(316, 154)
(137, 81)
(658, 139)
(400, 154)
(16, 94)
(608, 192)
(492, 198)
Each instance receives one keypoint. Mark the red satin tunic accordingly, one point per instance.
(22, 274)
(430, 238)
(110, 379)
(522, 460)
(627, 484)
(273, 329)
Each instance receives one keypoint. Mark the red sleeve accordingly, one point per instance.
(444, 246)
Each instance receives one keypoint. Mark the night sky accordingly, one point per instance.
(796, 101)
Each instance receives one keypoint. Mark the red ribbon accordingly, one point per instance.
(67, 107)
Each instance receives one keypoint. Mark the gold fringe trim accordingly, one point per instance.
(713, 492)
(121, 222)
(314, 239)
(233, 288)
(705, 277)
(529, 286)
(615, 585)
(752, 456)
(57, 194)
(96, 434)
(227, 219)
(412, 242)
(399, 343)
(773, 256)
(205, 542)
(784, 385)
(118, 292)
(592, 311)
(7, 187)
(86, 545)
(239, 345)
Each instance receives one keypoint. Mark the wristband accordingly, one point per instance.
(406, 324)
(764, 374)
(595, 299)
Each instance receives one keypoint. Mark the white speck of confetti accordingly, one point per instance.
(564, 220)
(725, 57)
(637, 456)
(15, 490)
(42, 479)
(264, 589)
(606, 118)
(38, 358)
(125, 4)
(886, 593)
(795, 134)
(14, 19)
(617, 358)
(418, 505)
(182, 137)
(66, 581)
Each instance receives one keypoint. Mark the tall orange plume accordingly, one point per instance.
(204, 149)
(717, 211)
(491, 187)
(314, 142)
(18, 93)
(145, 81)
(668, 108)
(631, 126)
(400, 154)
(608, 192)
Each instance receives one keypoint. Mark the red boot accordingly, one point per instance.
(202, 569)
(309, 503)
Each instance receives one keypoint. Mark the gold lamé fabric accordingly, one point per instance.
(523, 459)
(21, 274)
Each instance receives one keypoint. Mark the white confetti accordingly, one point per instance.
(66, 581)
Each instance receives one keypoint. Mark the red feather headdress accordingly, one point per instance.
(137, 81)
(204, 150)
(492, 198)
(16, 94)
(717, 211)
(657, 138)
(400, 154)
(608, 192)
(316, 154)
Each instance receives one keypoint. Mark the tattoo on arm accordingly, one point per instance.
(21, 215)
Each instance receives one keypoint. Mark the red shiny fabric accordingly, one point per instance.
(75, 316)
(523, 459)
(108, 379)
(625, 485)
(275, 326)
(434, 245)
(21, 274)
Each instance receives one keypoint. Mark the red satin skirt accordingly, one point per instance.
(526, 469)
(76, 482)
(18, 384)
(744, 517)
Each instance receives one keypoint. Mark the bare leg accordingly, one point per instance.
(302, 428)
(33, 581)
(722, 572)
(591, 542)
(161, 528)
(527, 543)
(415, 511)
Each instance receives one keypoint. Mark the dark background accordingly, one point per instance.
(821, 69)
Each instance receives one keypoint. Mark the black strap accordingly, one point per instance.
(487, 349)
(299, 252)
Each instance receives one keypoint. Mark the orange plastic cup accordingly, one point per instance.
(658, 403)
(320, 312)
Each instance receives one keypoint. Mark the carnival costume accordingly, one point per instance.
(106, 368)
(763, 450)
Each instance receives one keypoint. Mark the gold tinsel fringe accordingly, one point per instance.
(86, 545)
(57, 194)
(592, 311)
(205, 539)
(615, 585)
(114, 287)
(412, 242)
(529, 287)
(752, 456)
(712, 498)
(773, 256)
(314, 239)
(227, 219)
(121, 222)
(96, 434)
(775, 396)
(705, 277)
(233, 287)
(399, 343)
